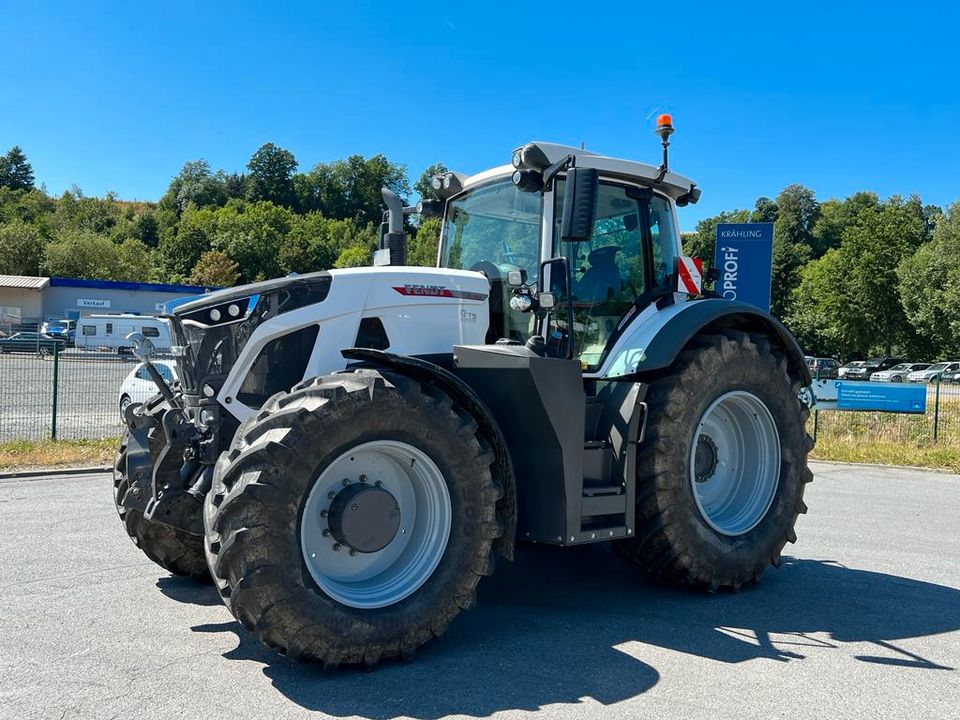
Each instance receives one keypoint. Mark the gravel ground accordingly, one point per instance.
(862, 620)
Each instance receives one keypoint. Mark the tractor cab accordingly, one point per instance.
(508, 223)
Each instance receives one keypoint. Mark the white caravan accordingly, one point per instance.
(110, 331)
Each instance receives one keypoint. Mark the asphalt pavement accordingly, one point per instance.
(862, 620)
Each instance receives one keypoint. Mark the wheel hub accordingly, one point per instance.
(363, 517)
(706, 459)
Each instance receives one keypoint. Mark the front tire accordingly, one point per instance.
(124, 404)
(721, 472)
(174, 550)
(278, 536)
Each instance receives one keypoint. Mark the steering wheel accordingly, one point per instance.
(487, 268)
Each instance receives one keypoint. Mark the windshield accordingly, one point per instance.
(495, 224)
(901, 366)
(939, 366)
(493, 229)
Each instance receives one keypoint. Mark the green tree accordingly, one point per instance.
(81, 253)
(355, 256)
(193, 235)
(836, 216)
(351, 188)
(76, 210)
(21, 249)
(822, 317)
(253, 237)
(15, 171)
(196, 184)
(134, 262)
(271, 175)
(765, 210)
(929, 285)
(422, 247)
(422, 187)
(214, 268)
(797, 213)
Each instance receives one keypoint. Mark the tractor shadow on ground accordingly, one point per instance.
(558, 625)
(189, 591)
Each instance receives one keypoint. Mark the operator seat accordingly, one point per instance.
(601, 281)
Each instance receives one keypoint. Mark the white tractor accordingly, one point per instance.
(347, 451)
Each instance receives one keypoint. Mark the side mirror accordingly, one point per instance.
(579, 204)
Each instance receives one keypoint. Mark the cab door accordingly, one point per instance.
(628, 261)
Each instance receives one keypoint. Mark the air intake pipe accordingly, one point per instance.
(393, 242)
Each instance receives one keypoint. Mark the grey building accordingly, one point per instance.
(27, 301)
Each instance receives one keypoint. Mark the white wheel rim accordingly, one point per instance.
(735, 463)
(387, 576)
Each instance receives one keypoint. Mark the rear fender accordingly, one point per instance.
(660, 337)
(431, 373)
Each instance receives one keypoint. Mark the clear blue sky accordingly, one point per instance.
(838, 96)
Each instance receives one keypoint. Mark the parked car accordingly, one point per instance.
(137, 387)
(62, 329)
(845, 370)
(823, 368)
(950, 376)
(877, 364)
(898, 373)
(933, 372)
(31, 342)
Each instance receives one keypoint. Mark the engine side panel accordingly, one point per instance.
(423, 311)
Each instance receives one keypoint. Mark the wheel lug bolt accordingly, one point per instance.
(331, 494)
(363, 478)
(352, 552)
(354, 507)
(336, 547)
(379, 483)
(323, 513)
(346, 481)
(325, 533)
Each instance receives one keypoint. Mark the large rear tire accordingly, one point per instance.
(278, 525)
(721, 471)
(174, 550)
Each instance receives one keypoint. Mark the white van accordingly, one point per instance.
(110, 331)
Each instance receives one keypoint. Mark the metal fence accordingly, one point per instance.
(74, 395)
(939, 424)
(68, 395)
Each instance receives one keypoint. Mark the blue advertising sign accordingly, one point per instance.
(887, 397)
(744, 258)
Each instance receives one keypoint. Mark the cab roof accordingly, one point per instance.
(673, 184)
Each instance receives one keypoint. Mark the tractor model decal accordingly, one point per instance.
(438, 291)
